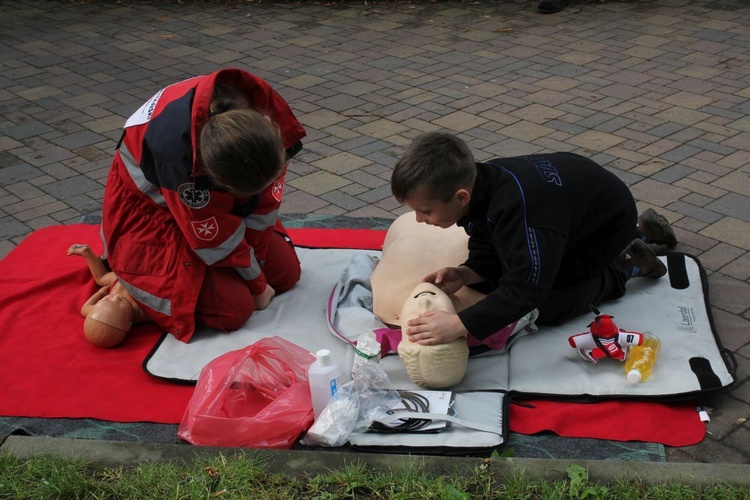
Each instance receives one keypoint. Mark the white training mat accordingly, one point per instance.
(540, 363)
(674, 308)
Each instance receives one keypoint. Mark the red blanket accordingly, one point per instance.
(48, 369)
(672, 424)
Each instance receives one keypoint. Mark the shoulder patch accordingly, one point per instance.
(193, 198)
(206, 230)
(277, 190)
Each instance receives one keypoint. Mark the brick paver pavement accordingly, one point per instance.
(658, 91)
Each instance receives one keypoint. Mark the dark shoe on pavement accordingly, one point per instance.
(655, 229)
(644, 260)
(551, 6)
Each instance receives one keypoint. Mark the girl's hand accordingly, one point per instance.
(262, 300)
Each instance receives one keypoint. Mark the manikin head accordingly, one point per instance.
(437, 366)
(109, 321)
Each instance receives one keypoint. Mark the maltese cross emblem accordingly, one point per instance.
(205, 230)
(277, 190)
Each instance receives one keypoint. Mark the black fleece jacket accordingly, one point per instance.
(535, 223)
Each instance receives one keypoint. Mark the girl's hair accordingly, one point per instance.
(241, 150)
(440, 162)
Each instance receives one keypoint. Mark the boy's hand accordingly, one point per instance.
(451, 279)
(79, 249)
(262, 300)
(448, 279)
(435, 327)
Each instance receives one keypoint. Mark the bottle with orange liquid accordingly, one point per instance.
(641, 359)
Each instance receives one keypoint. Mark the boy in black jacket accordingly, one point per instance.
(553, 231)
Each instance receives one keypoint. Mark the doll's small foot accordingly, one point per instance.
(78, 249)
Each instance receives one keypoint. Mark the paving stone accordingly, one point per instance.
(736, 182)
(343, 200)
(18, 173)
(733, 231)
(711, 451)
(11, 226)
(319, 182)
(732, 204)
(725, 412)
(719, 256)
(680, 153)
(71, 186)
(729, 294)
(695, 212)
(672, 174)
(25, 130)
(739, 267)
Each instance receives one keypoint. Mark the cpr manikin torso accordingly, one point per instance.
(411, 251)
(437, 366)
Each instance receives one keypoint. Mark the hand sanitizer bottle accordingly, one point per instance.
(323, 376)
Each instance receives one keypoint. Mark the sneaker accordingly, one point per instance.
(644, 260)
(655, 229)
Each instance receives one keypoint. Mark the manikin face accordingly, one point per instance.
(425, 297)
(432, 366)
(113, 310)
(436, 212)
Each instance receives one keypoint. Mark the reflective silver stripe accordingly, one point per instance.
(143, 185)
(163, 306)
(259, 222)
(213, 255)
(104, 240)
(249, 273)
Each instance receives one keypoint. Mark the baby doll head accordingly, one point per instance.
(437, 366)
(109, 321)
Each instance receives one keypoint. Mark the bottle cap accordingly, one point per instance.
(324, 357)
(634, 376)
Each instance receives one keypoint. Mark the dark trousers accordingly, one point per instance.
(592, 272)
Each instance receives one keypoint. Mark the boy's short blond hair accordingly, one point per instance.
(439, 161)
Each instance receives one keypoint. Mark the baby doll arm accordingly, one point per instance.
(86, 308)
(96, 266)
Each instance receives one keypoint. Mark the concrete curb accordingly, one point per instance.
(297, 462)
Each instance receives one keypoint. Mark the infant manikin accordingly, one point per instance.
(438, 366)
(411, 251)
(111, 310)
(108, 321)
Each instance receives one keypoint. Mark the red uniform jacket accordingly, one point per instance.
(163, 220)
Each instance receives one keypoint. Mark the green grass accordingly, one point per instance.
(242, 476)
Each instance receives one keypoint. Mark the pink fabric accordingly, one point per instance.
(495, 341)
(389, 339)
